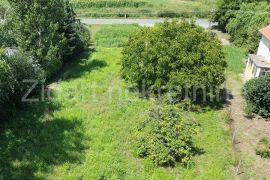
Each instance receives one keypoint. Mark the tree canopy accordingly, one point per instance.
(47, 29)
(244, 28)
(173, 54)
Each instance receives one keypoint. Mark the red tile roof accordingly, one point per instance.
(266, 32)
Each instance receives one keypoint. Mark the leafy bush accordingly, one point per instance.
(167, 14)
(3, 10)
(50, 38)
(6, 37)
(264, 151)
(257, 94)
(173, 55)
(14, 70)
(166, 137)
(23, 68)
(6, 87)
(82, 4)
(228, 9)
(244, 28)
(6, 81)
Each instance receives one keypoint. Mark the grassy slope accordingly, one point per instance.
(81, 135)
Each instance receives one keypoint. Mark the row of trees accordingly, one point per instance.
(242, 19)
(43, 36)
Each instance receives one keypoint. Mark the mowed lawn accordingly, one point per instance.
(88, 129)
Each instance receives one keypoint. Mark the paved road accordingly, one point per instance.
(142, 22)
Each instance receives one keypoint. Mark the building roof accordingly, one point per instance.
(259, 61)
(266, 32)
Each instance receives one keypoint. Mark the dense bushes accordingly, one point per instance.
(173, 55)
(48, 34)
(257, 94)
(244, 28)
(166, 137)
(14, 70)
(107, 3)
(43, 35)
(242, 19)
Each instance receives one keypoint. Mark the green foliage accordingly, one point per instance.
(228, 9)
(107, 3)
(166, 137)
(114, 35)
(48, 30)
(2, 11)
(167, 14)
(244, 28)
(144, 8)
(248, 109)
(23, 68)
(83, 38)
(173, 55)
(14, 71)
(6, 81)
(77, 35)
(242, 19)
(257, 94)
(264, 151)
(6, 36)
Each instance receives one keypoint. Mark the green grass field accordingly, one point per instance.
(87, 130)
(144, 8)
(235, 59)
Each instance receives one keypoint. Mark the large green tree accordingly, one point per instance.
(244, 28)
(47, 29)
(173, 54)
(228, 9)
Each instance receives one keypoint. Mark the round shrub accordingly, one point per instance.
(173, 54)
(14, 70)
(166, 137)
(23, 67)
(257, 94)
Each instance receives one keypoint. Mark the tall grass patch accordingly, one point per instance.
(235, 58)
(114, 35)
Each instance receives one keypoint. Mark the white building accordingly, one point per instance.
(259, 64)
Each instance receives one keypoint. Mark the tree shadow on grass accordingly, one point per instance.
(78, 66)
(83, 67)
(36, 141)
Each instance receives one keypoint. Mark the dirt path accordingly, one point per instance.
(247, 134)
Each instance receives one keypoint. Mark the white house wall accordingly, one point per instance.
(264, 48)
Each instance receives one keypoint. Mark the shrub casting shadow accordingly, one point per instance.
(84, 67)
(30, 145)
(80, 66)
